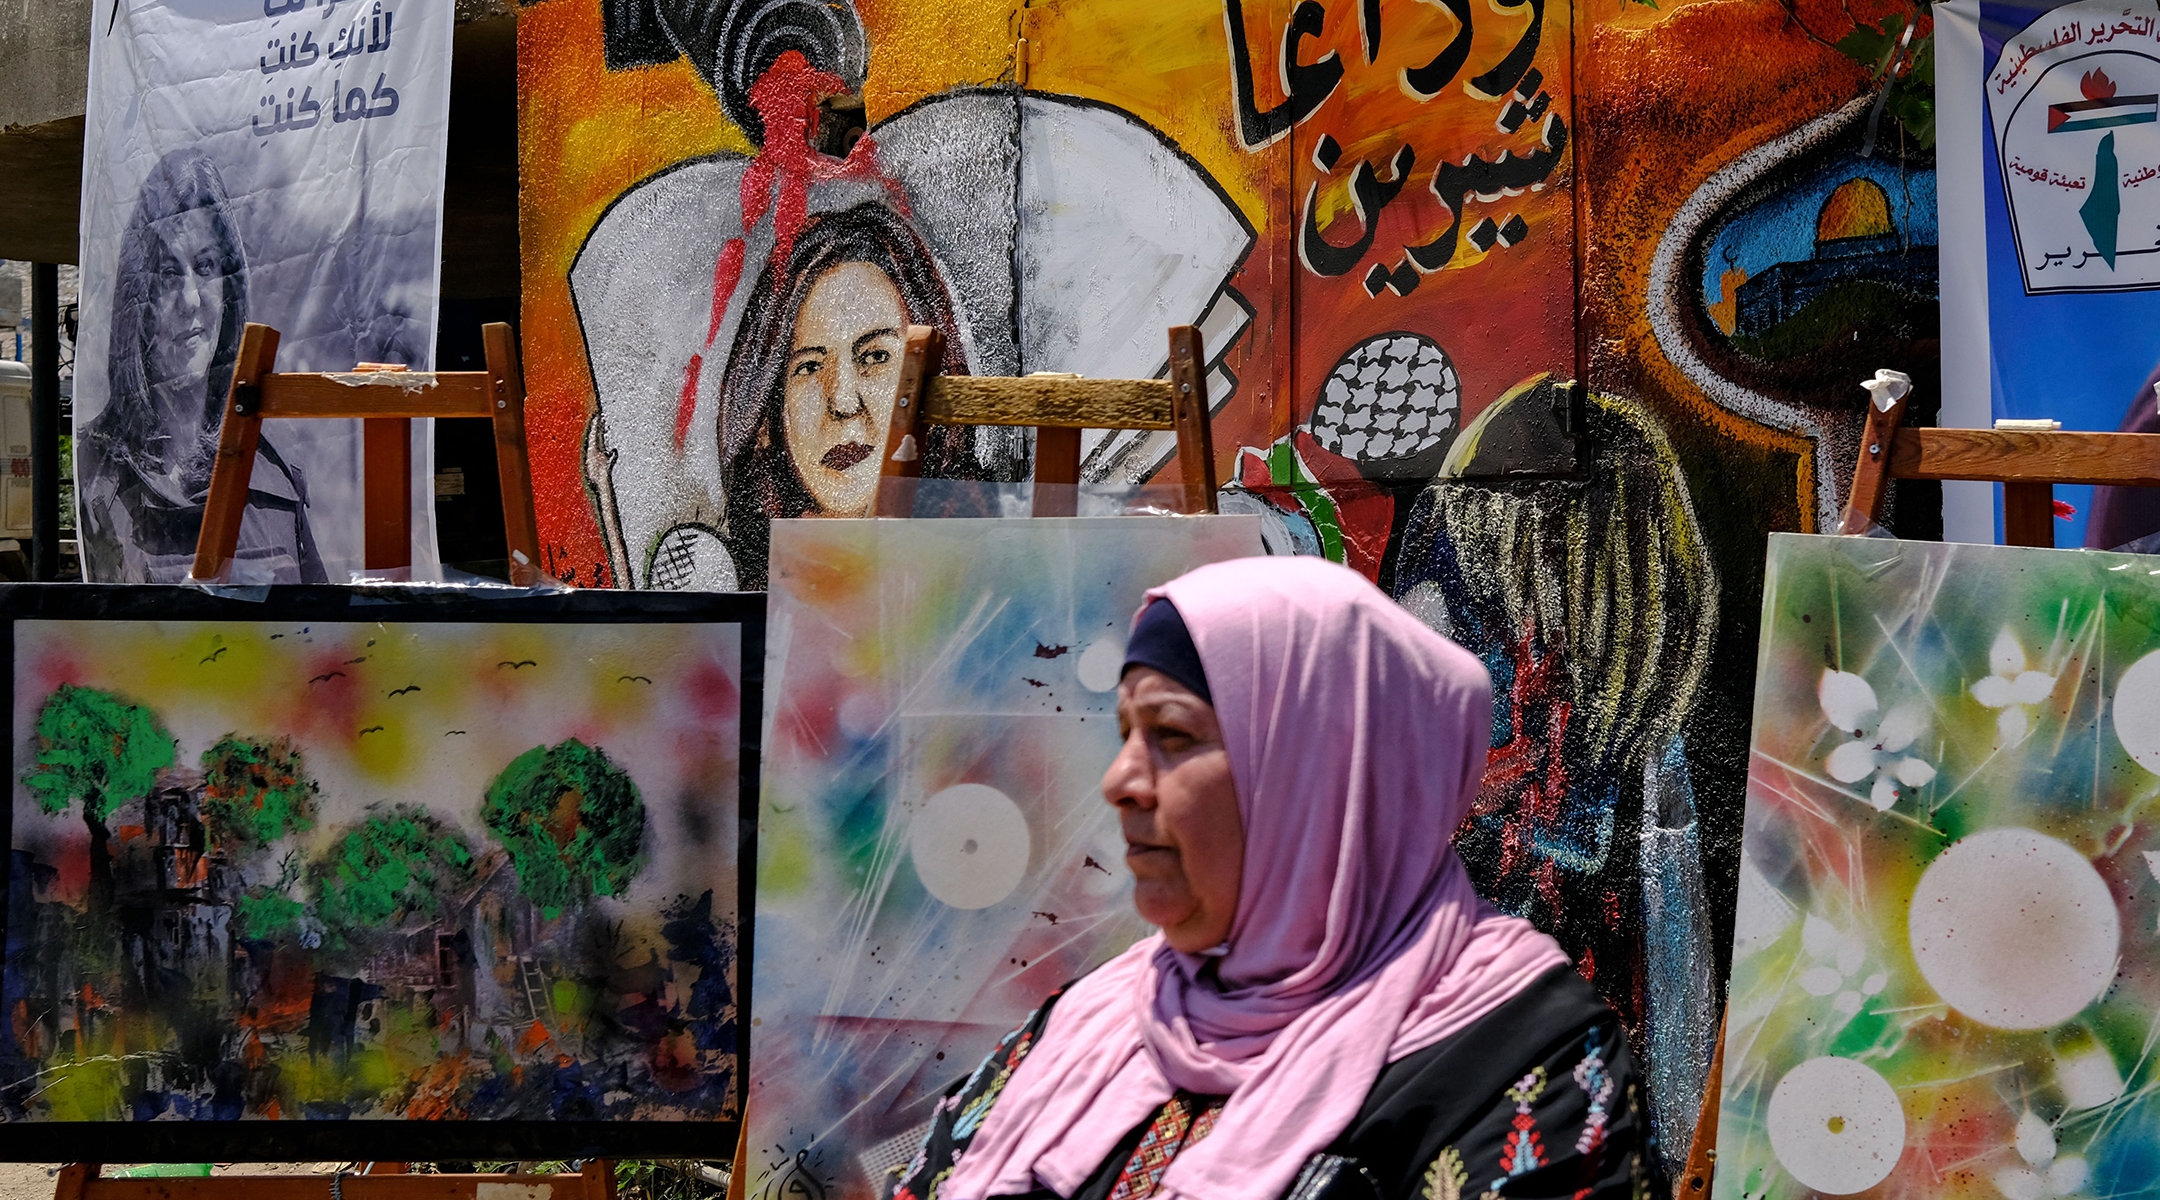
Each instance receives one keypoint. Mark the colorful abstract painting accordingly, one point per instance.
(319, 870)
(934, 853)
(1945, 980)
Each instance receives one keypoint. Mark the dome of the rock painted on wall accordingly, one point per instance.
(1858, 208)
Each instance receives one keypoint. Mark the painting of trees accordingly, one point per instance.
(572, 822)
(399, 863)
(255, 792)
(99, 751)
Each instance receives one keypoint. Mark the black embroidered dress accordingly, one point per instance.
(1536, 1099)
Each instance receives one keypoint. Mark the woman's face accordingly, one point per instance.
(843, 370)
(188, 304)
(1170, 784)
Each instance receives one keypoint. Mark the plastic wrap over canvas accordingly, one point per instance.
(934, 852)
(1944, 979)
(323, 871)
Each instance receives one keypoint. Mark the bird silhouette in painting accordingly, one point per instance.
(1050, 917)
(326, 678)
(214, 655)
(454, 733)
(1088, 860)
(632, 679)
(401, 691)
(519, 665)
(276, 636)
(351, 661)
(371, 729)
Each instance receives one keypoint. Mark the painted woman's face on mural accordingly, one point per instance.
(843, 370)
(188, 297)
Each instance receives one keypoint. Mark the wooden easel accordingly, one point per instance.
(2028, 464)
(1059, 407)
(387, 402)
(381, 1181)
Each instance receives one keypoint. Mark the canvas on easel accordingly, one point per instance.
(1945, 982)
(360, 875)
(934, 853)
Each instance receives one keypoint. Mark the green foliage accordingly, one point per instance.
(1912, 69)
(97, 748)
(572, 821)
(267, 914)
(394, 865)
(256, 792)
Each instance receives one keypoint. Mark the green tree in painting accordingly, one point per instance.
(572, 822)
(96, 749)
(256, 792)
(396, 864)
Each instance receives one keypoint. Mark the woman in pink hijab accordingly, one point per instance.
(1329, 1010)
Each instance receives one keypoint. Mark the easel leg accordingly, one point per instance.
(739, 1172)
(386, 497)
(74, 1181)
(2028, 514)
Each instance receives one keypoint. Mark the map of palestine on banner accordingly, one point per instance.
(274, 161)
(2051, 230)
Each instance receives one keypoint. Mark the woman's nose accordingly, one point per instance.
(1128, 779)
(191, 290)
(844, 393)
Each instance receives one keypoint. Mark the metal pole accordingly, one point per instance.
(44, 421)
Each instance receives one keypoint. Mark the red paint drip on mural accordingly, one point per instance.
(778, 180)
(688, 403)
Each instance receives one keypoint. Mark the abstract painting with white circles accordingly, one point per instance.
(934, 854)
(1946, 960)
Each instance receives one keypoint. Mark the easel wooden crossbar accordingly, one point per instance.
(386, 402)
(1059, 407)
(2027, 463)
(383, 1181)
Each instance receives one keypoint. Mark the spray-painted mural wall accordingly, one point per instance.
(1542, 314)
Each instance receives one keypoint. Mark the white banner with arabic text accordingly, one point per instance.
(269, 161)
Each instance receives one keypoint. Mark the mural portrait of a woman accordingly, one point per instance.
(809, 388)
(179, 302)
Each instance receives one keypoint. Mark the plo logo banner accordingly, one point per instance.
(2075, 100)
(269, 161)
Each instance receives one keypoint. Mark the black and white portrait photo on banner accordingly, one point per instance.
(269, 161)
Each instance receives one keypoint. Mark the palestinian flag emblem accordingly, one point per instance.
(2101, 108)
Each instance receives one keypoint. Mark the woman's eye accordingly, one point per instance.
(875, 358)
(806, 367)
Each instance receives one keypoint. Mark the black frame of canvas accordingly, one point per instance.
(401, 1140)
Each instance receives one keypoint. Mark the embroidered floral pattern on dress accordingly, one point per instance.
(1178, 1124)
(1445, 1178)
(1597, 1084)
(1524, 1150)
(1011, 1050)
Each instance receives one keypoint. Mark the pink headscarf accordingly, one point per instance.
(1357, 738)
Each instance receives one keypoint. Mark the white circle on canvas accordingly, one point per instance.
(1100, 665)
(2014, 929)
(2137, 712)
(970, 845)
(1836, 1126)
